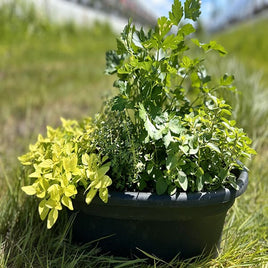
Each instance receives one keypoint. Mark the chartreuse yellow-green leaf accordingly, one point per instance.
(50, 203)
(101, 182)
(26, 159)
(43, 210)
(103, 194)
(70, 163)
(67, 202)
(70, 190)
(90, 195)
(48, 163)
(52, 217)
(29, 190)
(41, 187)
(85, 159)
(59, 164)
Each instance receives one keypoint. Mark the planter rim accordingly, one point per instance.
(222, 195)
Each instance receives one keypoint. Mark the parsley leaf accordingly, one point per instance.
(177, 12)
(192, 9)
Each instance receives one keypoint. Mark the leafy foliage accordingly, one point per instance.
(115, 136)
(184, 129)
(166, 130)
(62, 162)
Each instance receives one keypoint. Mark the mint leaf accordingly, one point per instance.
(182, 180)
(168, 139)
(213, 147)
(192, 9)
(152, 131)
(161, 185)
(175, 126)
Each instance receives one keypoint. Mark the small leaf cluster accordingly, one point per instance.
(115, 136)
(60, 163)
(187, 138)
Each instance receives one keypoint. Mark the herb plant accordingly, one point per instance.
(188, 139)
(167, 130)
(60, 163)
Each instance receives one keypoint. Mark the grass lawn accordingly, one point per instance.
(248, 42)
(49, 71)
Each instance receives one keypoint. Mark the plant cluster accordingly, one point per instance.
(166, 130)
(189, 141)
(60, 163)
(115, 136)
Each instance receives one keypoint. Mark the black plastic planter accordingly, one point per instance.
(189, 223)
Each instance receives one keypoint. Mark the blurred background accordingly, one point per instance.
(52, 61)
(52, 58)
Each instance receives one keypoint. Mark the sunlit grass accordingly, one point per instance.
(47, 71)
(248, 42)
(249, 102)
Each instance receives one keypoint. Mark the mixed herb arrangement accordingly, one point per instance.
(166, 131)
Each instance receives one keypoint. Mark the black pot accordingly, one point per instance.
(188, 223)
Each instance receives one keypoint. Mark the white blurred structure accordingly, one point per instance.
(121, 8)
(87, 12)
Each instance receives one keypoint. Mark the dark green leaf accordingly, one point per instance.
(172, 189)
(161, 185)
(223, 173)
(199, 183)
(121, 46)
(192, 9)
(119, 103)
(112, 61)
(233, 183)
(185, 149)
(150, 167)
(152, 131)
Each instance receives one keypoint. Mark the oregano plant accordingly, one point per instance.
(60, 163)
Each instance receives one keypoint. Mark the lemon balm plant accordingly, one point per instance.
(167, 132)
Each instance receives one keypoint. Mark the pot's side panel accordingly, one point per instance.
(188, 236)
